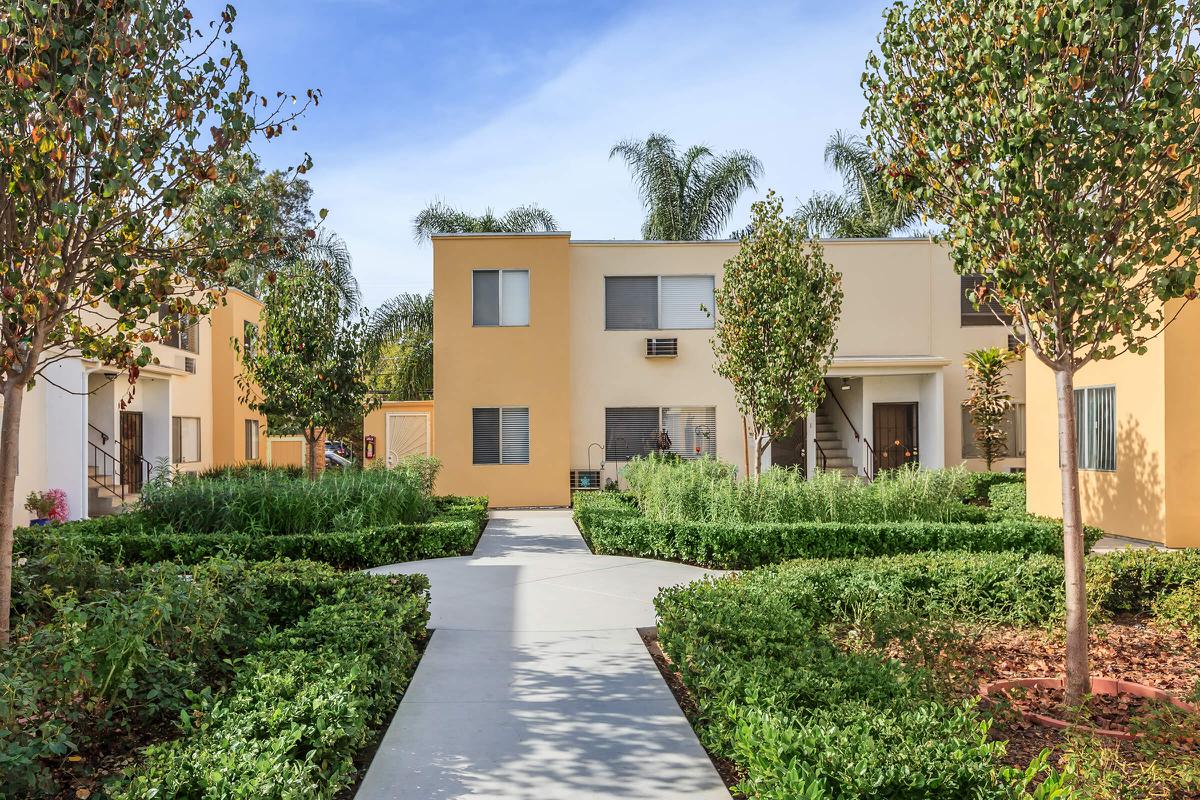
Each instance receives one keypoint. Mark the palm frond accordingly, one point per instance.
(528, 219)
(721, 182)
(402, 316)
(439, 217)
(329, 255)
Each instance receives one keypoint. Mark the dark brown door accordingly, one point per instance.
(131, 450)
(895, 435)
(788, 451)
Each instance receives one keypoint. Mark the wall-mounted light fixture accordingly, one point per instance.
(845, 384)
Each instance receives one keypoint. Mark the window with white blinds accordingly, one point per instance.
(687, 431)
(1096, 427)
(499, 297)
(1014, 429)
(658, 302)
(500, 435)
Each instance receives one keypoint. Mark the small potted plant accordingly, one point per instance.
(46, 507)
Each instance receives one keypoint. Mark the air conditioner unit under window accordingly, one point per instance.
(662, 348)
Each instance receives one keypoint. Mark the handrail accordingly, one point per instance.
(829, 391)
(103, 436)
(120, 480)
(822, 459)
(869, 466)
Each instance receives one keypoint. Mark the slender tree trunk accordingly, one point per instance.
(310, 436)
(1078, 677)
(14, 396)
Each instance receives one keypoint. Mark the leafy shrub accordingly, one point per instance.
(792, 680)
(978, 485)
(1132, 581)
(705, 490)
(1180, 609)
(1008, 498)
(273, 503)
(249, 469)
(743, 546)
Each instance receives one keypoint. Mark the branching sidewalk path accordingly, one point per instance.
(536, 683)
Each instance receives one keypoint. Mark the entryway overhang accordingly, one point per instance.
(859, 366)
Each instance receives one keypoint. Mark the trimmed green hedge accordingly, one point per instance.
(979, 484)
(127, 539)
(1132, 581)
(611, 525)
(791, 675)
(1009, 499)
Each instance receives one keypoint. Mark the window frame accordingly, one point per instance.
(500, 297)
(177, 441)
(658, 301)
(180, 333)
(988, 315)
(501, 462)
(969, 446)
(676, 447)
(246, 427)
(1082, 451)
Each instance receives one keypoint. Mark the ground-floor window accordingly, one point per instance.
(1096, 427)
(500, 435)
(687, 431)
(251, 440)
(185, 440)
(1014, 432)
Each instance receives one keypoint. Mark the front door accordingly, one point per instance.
(895, 435)
(131, 450)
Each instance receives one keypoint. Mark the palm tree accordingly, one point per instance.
(866, 209)
(400, 334)
(439, 217)
(688, 196)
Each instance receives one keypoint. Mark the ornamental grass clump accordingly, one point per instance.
(274, 503)
(705, 490)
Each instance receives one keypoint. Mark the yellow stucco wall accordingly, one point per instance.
(503, 366)
(227, 322)
(375, 424)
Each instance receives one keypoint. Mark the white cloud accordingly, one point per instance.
(770, 80)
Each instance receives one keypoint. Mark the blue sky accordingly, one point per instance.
(504, 103)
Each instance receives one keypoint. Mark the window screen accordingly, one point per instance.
(251, 440)
(485, 287)
(630, 432)
(500, 435)
(988, 313)
(1096, 427)
(185, 440)
(631, 303)
(1014, 428)
(684, 300)
(514, 297)
(693, 430)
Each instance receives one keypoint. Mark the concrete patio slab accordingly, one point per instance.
(536, 683)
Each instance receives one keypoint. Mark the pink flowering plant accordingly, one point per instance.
(50, 504)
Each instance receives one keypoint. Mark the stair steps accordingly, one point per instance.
(837, 457)
(103, 495)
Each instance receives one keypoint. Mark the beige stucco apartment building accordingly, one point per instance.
(1139, 431)
(557, 360)
(85, 432)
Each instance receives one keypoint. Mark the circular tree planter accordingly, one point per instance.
(1100, 686)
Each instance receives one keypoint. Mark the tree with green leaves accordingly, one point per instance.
(1058, 144)
(439, 217)
(988, 400)
(401, 337)
(866, 208)
(117, 117)
(306, 369)
(776, 320)
(690, 195)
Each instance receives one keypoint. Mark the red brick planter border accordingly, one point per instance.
(1107, 686)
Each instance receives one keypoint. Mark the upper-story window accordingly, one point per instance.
(184, 332)
(988, 313)
(658, 302)
(500, 297)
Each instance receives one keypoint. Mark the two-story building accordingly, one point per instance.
(84, 431)
(558, 360)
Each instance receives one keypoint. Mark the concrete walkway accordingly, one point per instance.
(535, 683)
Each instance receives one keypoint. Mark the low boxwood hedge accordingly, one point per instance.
(792, 678)
(127, 539)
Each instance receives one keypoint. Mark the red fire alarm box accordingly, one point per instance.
(369, 447)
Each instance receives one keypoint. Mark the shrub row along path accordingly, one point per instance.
(536, 683)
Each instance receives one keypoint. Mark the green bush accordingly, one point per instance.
(743, 546)
(273, 503)
(1132, 581)
(215, 646)
(1008, 499)
(704, 490)
(792, 679)
(978, 485)
(248, 469)
(1180, 609)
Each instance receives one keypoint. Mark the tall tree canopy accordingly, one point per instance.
(690, 195)
(116, 117)
(777, 314)
(439, 217)
(401, 335)
(866, 208)
(1058, 143)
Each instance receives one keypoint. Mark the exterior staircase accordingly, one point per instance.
(106, 495)
(836, 456)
